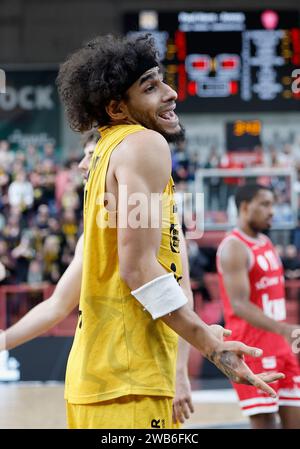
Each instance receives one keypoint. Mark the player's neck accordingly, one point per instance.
(246, 229)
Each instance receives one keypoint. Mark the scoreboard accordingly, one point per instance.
(237, 61)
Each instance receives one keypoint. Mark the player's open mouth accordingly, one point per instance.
(169, 116)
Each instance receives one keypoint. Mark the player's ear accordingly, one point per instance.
(117, 110)
(243, 206)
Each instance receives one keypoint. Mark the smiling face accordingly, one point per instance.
(151, 103)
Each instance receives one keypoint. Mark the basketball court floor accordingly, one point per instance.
(34, 405)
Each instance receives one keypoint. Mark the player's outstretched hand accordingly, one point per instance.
(229, 359)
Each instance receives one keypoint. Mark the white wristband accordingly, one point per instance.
(161, 296)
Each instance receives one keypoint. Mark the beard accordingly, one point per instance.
(259, 228)
(174, 137)
(150, 123)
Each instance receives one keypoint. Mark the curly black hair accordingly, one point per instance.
(98, 73)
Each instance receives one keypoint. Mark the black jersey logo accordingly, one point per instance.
(80, 319)
(155, 424)
(174, 238)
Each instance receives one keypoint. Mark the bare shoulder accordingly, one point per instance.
(233, 254)
(142, 159)
(146, 137)
(145, 146)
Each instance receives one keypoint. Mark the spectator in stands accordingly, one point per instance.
(35, 273)
(41, 220)
(49, 152)
(32, 158)
(180, 162)
(35, 178)
(260, 157)
(2, 222)
(7, 156)
(12, 228)
(291, 262)
(6, 260)
(283, 213)
(286, 157)
(54, 226)
(23, 253)
(198, 263)
(69, 174)
(272, 157)
(47, 183)
(17, 167)
(213, 183)
(69, 224)
(4, 181)
(20, 192)
(70, 198)
(296, 235)
(194, 165)
(51, 258)
(229, 184)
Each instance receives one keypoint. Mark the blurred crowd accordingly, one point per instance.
(40, 213)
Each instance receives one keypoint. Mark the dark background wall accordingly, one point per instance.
(45, 31)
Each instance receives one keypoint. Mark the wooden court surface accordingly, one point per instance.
(41, 406)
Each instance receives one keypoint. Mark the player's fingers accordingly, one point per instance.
(240, 348)
(178, 412)
(219, 331)
(261, 385)
(185, 409)
(270, 377)
(190, 404)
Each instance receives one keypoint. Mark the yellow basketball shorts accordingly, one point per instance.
(126, 412)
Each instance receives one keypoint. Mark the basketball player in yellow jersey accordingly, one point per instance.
(66, 297)
(121, 369)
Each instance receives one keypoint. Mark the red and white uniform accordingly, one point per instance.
(268, 293)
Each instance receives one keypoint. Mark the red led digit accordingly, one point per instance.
(200, 64)
(229, 64)
(192, 88)
(233, 87)
(181, 89)
(180, 42)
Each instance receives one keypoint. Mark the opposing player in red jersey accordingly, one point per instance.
(253, 294)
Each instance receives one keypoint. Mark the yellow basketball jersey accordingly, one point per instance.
(118, 348)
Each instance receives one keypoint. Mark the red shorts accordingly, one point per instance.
(254, 401)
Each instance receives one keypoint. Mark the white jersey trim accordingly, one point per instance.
(291, 403)
(256, 401)
(260, 240)
(289, 393)
(260, 409)
(223, 243)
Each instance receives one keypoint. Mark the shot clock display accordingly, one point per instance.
(243, 135)
(223, 61)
